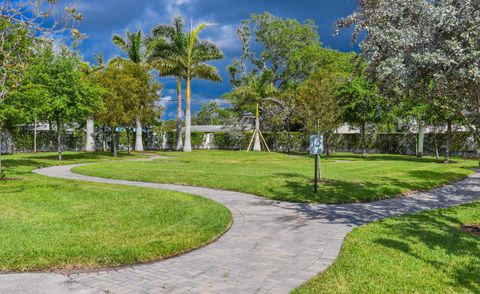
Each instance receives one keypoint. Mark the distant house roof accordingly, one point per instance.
(213, 129)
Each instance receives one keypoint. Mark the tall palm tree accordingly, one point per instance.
(166, 43)
(190, 63)
(198, 53)
(133, 47)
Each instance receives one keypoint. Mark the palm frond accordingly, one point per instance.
(206, 72)
(117, 61)
(192, 38)
(119, 42)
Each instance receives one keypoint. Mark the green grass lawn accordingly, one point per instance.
(58, 224)
(420, 253)
(289, 178)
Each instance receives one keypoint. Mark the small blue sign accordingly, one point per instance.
(316, 144)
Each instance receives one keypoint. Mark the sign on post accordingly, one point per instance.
(316, 144)
(316, 148)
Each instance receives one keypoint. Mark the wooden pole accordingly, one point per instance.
(316, 174)
(251, 141)
(264, 142)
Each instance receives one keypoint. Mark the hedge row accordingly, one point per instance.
(21, 140)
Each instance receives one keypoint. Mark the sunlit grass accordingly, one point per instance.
(420, 253)
(289, 178)
(48, 223)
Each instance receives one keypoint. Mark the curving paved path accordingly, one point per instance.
(272, 246)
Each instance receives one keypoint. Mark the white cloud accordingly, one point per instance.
(164, 101)
(177, 7)
(88, 7)
(226, 37)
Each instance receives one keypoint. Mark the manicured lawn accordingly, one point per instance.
(289, 178)
(57, 224)
(420, 253)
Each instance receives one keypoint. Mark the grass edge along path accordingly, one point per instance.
(53, 224)
(424, 252)
(277, 176)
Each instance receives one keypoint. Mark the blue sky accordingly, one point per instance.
(106, 17)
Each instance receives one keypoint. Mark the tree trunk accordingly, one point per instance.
(114, 142)
(421, 139)
(179, 145)
(138, 135)
(188, 121)
(2, 174)
(104, 139)
(59, 138)
(256, 146)
(449, 142)
(128, 141)
(435, 140)
(364, 149)
(327, 144)
(90, 138)
(35, 136)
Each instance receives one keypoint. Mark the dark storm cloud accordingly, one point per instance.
(105, 17)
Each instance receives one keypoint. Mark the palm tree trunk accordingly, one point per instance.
(256, 146)
(188, 120)
(421, 139)
(90, 140)
(138, 135)
(179, 115)
(59, 139)
(449, 142)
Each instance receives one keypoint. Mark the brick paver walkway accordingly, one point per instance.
(272, 246)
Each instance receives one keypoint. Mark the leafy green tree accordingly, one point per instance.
(419, 49)
(318, 109)
(361, 105)
(57, 78)
(15, 50)
(23, 23)
(124, 87)
(288, 49)
(207, 115)
(285, 54)
(133, 47)
(167, 45)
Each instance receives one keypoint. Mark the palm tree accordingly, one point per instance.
(167, 43)
(133, 47)
(253, 91)
(189, 63)
(198, 53)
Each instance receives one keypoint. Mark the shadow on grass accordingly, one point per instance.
(23, 164)
(391, 157)
(439, 232)
(298, 188)
(77, 156)
(355, 214)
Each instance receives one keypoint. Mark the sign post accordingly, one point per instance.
(316, 148)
